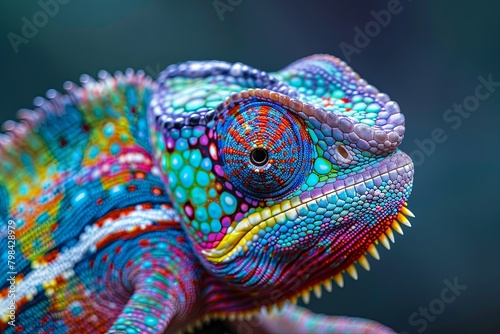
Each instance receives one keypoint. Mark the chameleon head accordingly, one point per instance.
(282, 180)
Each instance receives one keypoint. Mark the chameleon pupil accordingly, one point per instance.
(259, 157)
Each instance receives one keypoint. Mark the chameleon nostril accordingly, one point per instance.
(259, 157)
(343, 152)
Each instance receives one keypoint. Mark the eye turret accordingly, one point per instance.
(266, 151)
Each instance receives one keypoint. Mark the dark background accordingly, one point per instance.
(427, 58)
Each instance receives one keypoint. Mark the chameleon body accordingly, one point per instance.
(216, 191)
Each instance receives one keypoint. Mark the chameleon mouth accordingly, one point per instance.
(397, 168)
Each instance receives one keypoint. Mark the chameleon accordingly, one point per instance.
(215, 191)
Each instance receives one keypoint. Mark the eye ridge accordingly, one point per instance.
(259, 156)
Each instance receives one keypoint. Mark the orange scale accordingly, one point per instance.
(140, 175)
(157, 191)
(60, 280)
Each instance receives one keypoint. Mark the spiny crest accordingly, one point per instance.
(16, 134)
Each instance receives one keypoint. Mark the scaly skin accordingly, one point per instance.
(215, 192)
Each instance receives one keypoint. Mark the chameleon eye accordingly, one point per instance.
(266, 151)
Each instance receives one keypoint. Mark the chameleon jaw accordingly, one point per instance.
(315, 288)
(239, 238)
(338, 278)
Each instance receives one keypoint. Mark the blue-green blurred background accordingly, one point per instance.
(427, 58)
